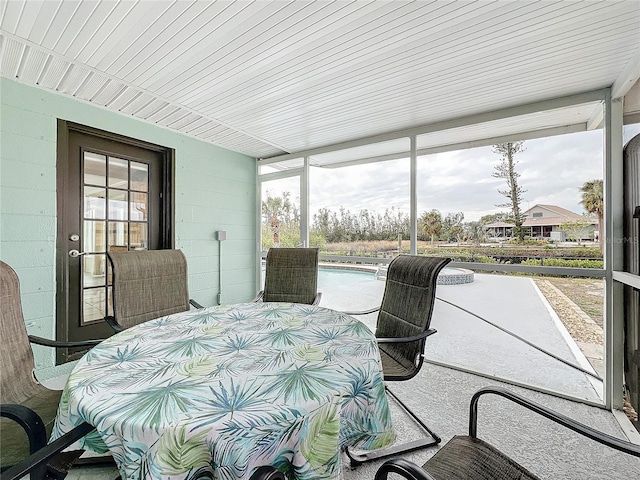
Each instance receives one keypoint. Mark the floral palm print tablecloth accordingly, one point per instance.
(233, 387)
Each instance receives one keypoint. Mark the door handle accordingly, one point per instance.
(75, 253)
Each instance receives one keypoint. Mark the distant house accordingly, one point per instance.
(543, 221)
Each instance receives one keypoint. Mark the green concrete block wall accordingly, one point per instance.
(215, 190)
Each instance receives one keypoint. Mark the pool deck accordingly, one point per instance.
(464, 342)
(513, 303)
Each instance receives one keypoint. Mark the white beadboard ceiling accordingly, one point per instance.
(269, 78)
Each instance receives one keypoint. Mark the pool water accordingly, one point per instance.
(331, 277)
(338, 276)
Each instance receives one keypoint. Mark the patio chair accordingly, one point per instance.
(291, 276)
(147, 284)
(466, 457)
(28, 408)
(402, 327)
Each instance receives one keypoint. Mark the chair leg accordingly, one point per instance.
(428, 441)
(58, 467)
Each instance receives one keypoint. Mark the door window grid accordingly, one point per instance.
(115, 217)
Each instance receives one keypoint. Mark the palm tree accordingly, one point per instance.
(593, 202)
(475, 232)
(431, 223)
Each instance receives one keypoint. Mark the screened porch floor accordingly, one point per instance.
(440, 394)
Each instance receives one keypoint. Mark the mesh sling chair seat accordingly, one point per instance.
(402, 327)
(28, 408)
(147, 284)
(466, 457)
(291, 276)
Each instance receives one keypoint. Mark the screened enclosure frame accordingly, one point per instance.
(610, 119)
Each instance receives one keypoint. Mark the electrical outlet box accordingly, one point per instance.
(220, 299)
(221, 235)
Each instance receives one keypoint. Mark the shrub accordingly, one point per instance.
(561, 262)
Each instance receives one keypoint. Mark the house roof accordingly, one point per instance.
(563, 216)
(272, 78)
(562, 212)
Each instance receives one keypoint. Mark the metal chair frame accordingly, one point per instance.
(412, 471)
(22, 393)
(411, 284)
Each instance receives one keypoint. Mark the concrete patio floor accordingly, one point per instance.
(440, 395)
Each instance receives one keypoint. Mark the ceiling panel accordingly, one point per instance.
(124, 98)
(53, 72)
(32, 64)
(12, 51)
(271, 77)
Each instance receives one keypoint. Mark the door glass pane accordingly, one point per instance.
(93, 302)
(93, 238)
(118, 173)
(94, 202)
(118, 236)
(93, 270)
(110, 299)
(139, 232)
(139, 206)
(118, 208)
(139, 176)
(95, 168)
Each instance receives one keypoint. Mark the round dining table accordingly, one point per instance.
(231, 388)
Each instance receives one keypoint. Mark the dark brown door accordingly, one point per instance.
(112, 195)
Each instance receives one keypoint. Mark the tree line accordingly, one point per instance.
(281, 224)
(281, 216)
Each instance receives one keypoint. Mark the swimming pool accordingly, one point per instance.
(345, 275)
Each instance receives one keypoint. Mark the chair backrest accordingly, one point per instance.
(148, 284)
(407, 307)
(16, 357)
(291, 275)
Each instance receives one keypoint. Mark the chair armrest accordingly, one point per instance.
(422, 335)
(316, 300)
(30, 422)
(258, 298)
(402, 467)
(582, 429)
(46, 453)
(195, 304)
(113, 324)
(58, 344)
(363, 312)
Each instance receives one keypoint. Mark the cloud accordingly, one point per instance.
(552, 170)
